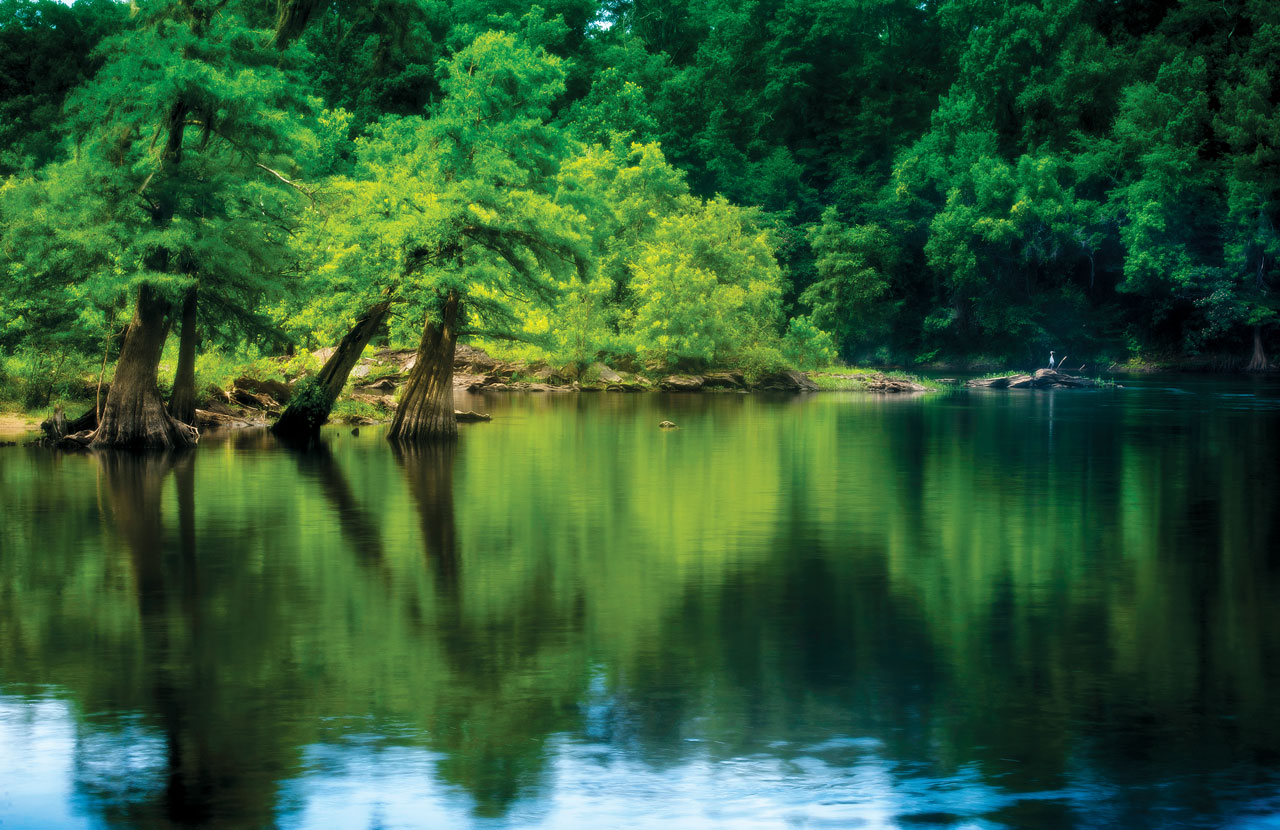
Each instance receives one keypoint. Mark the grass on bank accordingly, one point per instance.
(855, 379)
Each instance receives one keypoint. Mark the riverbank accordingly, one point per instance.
(1215, 363)
(14, 425)
(259, 394)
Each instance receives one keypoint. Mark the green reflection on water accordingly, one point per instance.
(1070, 594)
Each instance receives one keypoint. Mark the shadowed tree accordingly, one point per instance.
(482, 226)
(455, 215)
(183, 141)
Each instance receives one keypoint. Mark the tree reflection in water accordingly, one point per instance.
(903, 607)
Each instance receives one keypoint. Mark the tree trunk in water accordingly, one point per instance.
(1258, 363)
(134, 416)
(311, 404)
(182, 401)
(425, 411)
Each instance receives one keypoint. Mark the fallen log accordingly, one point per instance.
(1041, 379)
(56, 427)
(220, 420)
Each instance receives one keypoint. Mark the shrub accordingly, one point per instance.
(806, 345)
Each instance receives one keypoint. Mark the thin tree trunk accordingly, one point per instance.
(182, 401)
(134, 416)
(1258, 363)
(312, 404)
(425, 411)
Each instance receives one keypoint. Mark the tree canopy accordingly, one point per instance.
(698, 182)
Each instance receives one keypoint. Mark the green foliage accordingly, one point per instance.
(849, 296)
(460, 201)
(35, 379)
(56, 263)
(707, 288)
(184, 139)
(45, 52)
(220, 367)
(678, 281)
(807, 346)
(1002, 178)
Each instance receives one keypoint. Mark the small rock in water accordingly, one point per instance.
(470, 417)
(355, 431)
(667, 425)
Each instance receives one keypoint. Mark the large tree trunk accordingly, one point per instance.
(134, 416)
(182, 401)
(312, 403)
(1258, 363)
(425, 411)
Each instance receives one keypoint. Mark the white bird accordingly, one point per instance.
(1050, 359)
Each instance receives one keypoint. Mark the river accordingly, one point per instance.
(965, 609)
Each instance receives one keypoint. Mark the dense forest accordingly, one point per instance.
(684, 183)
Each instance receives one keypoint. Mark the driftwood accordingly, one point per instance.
(221, 420)
(61, 433)
(1042, 379)
(470, 417)
(255, 400)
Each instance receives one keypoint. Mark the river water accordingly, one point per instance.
(969, 610)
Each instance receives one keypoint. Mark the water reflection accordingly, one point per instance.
(428, 470)
(213, 750)
(357, 524)
(1036, 611)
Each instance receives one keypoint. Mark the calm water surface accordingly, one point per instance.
(969, 610)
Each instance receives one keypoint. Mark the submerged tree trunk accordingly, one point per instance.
(311, 404)
(425, 411)
(182, 401)
(134, 416)
(1258, 363)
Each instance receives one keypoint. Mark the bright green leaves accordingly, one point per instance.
(707, 287)
(680, 281)
(614, 112)
(807, 346)
(462, 200)
(184, 168)
(492, 123)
